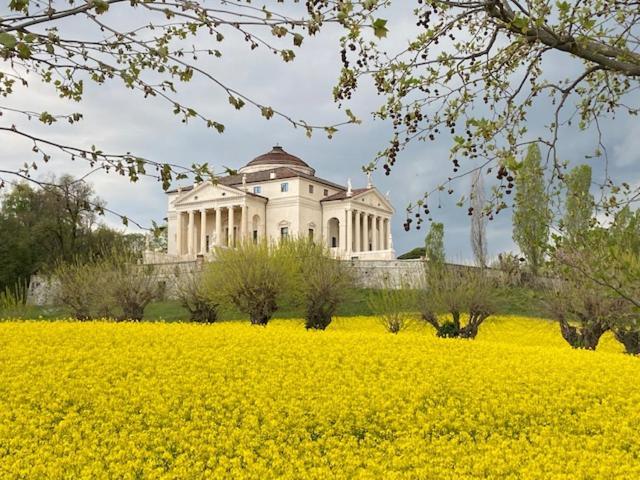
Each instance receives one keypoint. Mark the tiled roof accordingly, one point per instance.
(265, 175)
(278, 156)
(343, 195)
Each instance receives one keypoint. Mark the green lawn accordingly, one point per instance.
(518, 301)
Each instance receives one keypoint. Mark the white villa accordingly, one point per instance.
(274, 196)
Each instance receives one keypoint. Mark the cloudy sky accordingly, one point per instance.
(120, 120)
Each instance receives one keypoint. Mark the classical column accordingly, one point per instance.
(179, 234)
(218, 226)
(231, 238)
(243, 222)
(374, 232)
(347, 235)
(190, 229)
(357, 244)
(385, 233)
(203, 231)
(365, 231)
(264, 238)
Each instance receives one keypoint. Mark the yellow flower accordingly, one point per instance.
(105, 400)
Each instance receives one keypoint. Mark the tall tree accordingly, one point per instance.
(531, 212)
(579, 203)
(40, 227)
(478, 219)
(434, 245)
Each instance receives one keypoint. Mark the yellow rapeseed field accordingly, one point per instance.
(182, 401)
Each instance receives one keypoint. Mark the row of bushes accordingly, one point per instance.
(113, 285)
(257, 279)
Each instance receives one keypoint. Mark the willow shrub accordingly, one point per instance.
(86, 288)
(134, 285)
(193, 296)
(393, 305)
(255, 278)
(112, 285)
(322, 282)
(467, 295)
(586, 311)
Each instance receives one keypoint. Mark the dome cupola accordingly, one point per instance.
(276, 158)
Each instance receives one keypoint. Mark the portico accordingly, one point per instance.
(200, 230)
(363, 218)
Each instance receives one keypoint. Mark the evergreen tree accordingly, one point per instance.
(478, 220)
(531, 212)
(579, 203)
(434, 245)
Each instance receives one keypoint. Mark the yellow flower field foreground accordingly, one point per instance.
(106, 400)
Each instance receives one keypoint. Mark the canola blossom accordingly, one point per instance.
(182, 401)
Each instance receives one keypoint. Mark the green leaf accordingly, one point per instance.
(287, 55)
(8, 40)
(18, 5)
(563, 7)
(46, 117)
(520, 23)
(23, 50)
(267, 112)
(380, 29)
(101, 6)
(238, 103)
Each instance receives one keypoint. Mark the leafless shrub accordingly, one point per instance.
(193, 296)
(469, 296)
(394, 307)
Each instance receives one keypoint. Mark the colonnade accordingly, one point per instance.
(365, 232)
(210, 227)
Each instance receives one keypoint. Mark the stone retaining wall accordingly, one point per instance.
(368, 274)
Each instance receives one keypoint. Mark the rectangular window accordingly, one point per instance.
(255, 236)
(284, 232)
(310, 188)
(311, 234)
(284, 187)
(326, 192)
(334, 242)
(207, 244)
(257, 189)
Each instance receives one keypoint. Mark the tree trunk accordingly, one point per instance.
(133, 312)
(630, 339)
(432, 319)
(259, 319)
(471, 329)
(202, 312)
(586, 337)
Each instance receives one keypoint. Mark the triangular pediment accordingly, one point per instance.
(207, 191)
(373, 198)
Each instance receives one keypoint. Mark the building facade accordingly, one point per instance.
(277, 195)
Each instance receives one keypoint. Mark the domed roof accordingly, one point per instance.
(277, 157)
